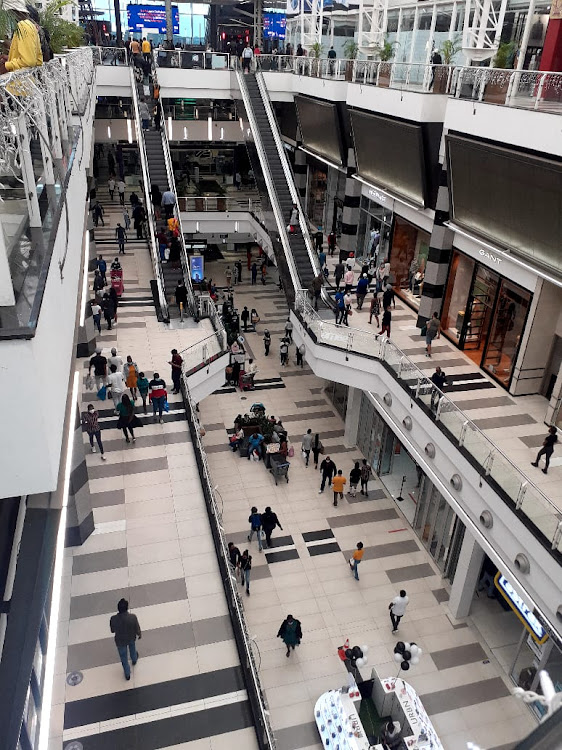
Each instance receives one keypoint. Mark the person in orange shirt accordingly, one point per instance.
(338, 483)
(135, 47)
(356, 559)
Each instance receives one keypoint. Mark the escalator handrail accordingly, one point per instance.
(149, 208)
(268, 178)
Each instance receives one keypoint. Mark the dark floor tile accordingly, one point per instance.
(259, 572)
(379, 551)
(508, 420)
(303, 417)
(373, 495)
(478, 385)
(314, 536)
(220, 448)
(269, 386)
(310, 402)
(442, 595)
(136, 324)
(356, 519)
(215, 426)
(302, 735)
(213, 630)
(323, 549)
(295, 373)
(410, 572)
(282, 541)
(98, 561)
(533, 441)
(289, 554)
(314, 391)
(484, 403)
(105, 499)
(126, 468)
(460, 626)
(458, 655)
(105, 602)
(452, 699)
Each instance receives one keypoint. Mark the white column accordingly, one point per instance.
(352, 416)
(27, 173)
(7, 298)
(466, 576)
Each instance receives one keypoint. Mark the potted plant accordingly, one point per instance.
(315, 52)
(385, 53)
(440, 75)
(63, 34)
(350, 50)
(496, 82)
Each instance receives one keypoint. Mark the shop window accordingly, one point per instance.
(408, 259)
(505, 332)
(454, 309)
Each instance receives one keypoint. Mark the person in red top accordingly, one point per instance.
(158, 394)
(176, 363)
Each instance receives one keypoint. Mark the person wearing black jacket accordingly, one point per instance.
(181, 295)
(234, 555)
(108, 310)
(328, 469)
(245, 569)
(291, 633)
(139, 216)
(127, 629)
(547, 449)
(269, 521)
(439, 379)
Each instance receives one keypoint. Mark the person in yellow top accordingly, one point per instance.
(356, 559)
(146, 49)
(25, 48)
(338, 483)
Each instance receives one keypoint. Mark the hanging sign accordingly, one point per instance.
(521, 609)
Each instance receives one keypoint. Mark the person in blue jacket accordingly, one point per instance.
(254, 444)
(340, 309)
(362, 289)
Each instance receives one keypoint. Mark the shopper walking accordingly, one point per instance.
(366, 473)
(99, 363)
(269, 521)
(168, 203)
(157, 394)
(289, 330)
(254, 519)
(131, 375)
(234, 557)
(139, 215)
(348, 278)
(102, 268)
(126, 628)
(127, 419)
(317, 284)
(439, 380)
(111, 186)
(90, 422)
(96, 314)
(328, 469)
(547, 449)
(356, 559)
(121, 238)
(306, 445)
(397, 608)
(181, 296)
(97, 214)
(246, 569)
(375, 309)
(108, 310)
(317, 449)
(290, 633)
(176, 365)
(254, 273)
(116, 385)
(362, 289)
(284, 352)
(339, 271)
(228, 277)
(142, 385)
(332, 242)
(116, 359)
(386, 320)
(300, 352)
(433, 330)
(338, 484)
(266, 341)
(121, 191)
(245, 317)
(354, 479)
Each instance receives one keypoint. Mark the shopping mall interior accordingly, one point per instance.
(336, 263)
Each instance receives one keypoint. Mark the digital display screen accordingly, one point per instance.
(318, 121)
(151, 19)
(274, 25)
(196, 267)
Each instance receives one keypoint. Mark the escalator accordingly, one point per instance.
(299, 258)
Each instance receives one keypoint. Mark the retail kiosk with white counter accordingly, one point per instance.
(337, 715)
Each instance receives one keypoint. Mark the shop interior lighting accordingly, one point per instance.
(236, 226)
(185, 134)
(241, 123)
(170, 127)
(222, 134)
(129, 130)
(210, 128)
(109, 131)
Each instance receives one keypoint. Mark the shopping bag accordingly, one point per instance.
(166, 405)
(303, 453)
(102, 393)
(89, 382)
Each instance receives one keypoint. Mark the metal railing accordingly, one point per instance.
(264, 731)
(149, 209)
(204, 203)
(495, 466)
(203, 352)
(277, 211)
(111, 56)
(192, 59)
(527, 89)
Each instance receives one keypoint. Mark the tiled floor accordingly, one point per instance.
(152, 544)
(459, 678)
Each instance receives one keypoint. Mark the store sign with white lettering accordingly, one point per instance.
(521, 609)
(378, 196)
(495, 259)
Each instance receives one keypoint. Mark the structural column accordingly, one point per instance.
(466, 576)
(351, 203)
(301, 173)
(86, 339)
(352, 416)
(80, 516)
(438, 258)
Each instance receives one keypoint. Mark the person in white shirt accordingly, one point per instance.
(111, 187)
(115, 359)
(397, 609)
(250, 372)
(96, 314)
(116, 384)
(121, 191)
(348, 278)
(247, 55)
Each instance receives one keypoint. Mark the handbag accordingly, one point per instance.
(135, 422)
(303, 453)
(102, 393)
(89, 382)
(321, 449)
(166, 406)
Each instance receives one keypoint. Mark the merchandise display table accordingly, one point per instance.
(337, 719)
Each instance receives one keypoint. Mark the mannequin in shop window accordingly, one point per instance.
(417, 282)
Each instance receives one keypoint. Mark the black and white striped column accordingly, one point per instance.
(80, 516)
(438, 258)
(351, 203)
(301, 172)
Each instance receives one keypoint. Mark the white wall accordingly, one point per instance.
(222, 222)
(34, 374)
(508, 535)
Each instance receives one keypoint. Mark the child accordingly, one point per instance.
(142, 385)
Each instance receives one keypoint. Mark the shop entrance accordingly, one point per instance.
(439, 528)
(478, 313)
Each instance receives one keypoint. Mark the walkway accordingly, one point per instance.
(515, 424)
(459, 678)
(152, 544)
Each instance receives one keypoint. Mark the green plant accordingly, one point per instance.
(63, 34)
(8, 23)
(351, 49)
(449, 49)
(505, 55)
(316, 50)
(385, 51)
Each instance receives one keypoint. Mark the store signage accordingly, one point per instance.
(522, 610)
(491, 257)
(378, 197)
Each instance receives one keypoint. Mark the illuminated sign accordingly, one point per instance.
(274, 25)
(151, 18)
(196, 263)
(522, 610)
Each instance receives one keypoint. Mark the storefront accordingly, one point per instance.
(432, 518)
(375, 227)
(484, 313)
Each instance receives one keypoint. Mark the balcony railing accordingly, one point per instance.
(204, 203)
(496, 468)
(527, 89)
(207, 350)
(41, 113)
